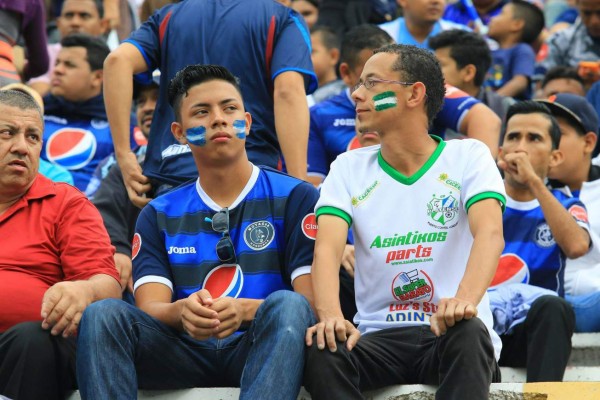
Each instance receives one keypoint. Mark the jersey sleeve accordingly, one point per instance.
(335, 196)
(148, 253)
(523, 61)
(317, 154)
(578, 211)
(481, 179)
(292, 51)
(84, 246)
(456, 106)
(300, 230)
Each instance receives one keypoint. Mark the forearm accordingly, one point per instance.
(570, 237)
(118, 92)
(249, 307)
(326, 284)
(514, 87)
(167, 313)
(292, 124)
(483, 124)
(103, 286)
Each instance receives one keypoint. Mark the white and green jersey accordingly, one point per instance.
(411, 234)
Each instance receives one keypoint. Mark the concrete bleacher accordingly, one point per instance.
(581, 382)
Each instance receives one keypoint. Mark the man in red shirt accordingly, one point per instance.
(55, 260)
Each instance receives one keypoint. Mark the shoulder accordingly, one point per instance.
(176, 195)
(447, 25)
(283, 181)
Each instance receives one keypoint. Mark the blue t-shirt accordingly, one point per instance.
(398, 30)
(272, 227)
(332, 126)
(255, 42)
(457, 12)
(508, 63)
(531, 254)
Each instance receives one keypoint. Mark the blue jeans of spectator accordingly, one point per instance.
(121, 349)
(587, 311)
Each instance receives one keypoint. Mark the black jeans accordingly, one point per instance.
(36, 365)
(542, 343)
(461, 362)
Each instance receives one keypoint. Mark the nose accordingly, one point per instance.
(218, 118)
(357, 93)
(19, 145)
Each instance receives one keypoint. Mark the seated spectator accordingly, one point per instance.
(55, 260)
(578, 124)
(118, 213)
(577, 43)
(541, 229)
(332, 122)
(343, 15)
(562, 79)
(422, 270)
(421, 20)
(515, 29)
(76, 133)
(26, 21)
(325, 57)
(214, 262)
(309, 9)
(76, 16)
(462, 13)
(465, 59)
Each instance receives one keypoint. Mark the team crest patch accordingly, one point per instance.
(136, 245)
(443, 209)
(309, 226)
(259, 235)
(543, 236)
(413, 285)
(579, 213)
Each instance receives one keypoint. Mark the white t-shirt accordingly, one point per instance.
(412, 236)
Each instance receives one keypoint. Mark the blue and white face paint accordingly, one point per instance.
(196, 136)
(239, 127)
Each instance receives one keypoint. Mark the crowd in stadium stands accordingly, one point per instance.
(270, 194)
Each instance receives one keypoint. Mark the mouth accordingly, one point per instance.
(220, 137)
(19, 165)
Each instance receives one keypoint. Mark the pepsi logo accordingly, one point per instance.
(72, 148)
(579, 213)
(224, 281)
(136, 245)
(309, 226)
(511, 269)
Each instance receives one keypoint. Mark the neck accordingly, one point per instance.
(419, 30)
(407, 153)
(224, 183)
(575, 179)
(329, 77)
(470, 89)
(508, 41)
(7, 201)
(517, 192)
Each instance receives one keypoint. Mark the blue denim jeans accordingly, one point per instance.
(121, 349)
(587, 311)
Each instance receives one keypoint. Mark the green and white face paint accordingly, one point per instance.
(239, 126)
(196, 135)
(385, 100)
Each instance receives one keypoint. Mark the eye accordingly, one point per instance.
(230, 108)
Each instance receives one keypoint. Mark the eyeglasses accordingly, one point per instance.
(220, 224)
(370, 82)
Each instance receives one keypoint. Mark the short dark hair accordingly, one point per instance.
(533, 18)
(361, 37)
(96, 48)
(534, 107)
(21, 100)
(419, 65)
(562, 72)
(99, 6)
(315, 3)
(193, 75)
(328, 36)
(465, 48)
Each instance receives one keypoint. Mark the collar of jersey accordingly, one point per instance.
(214, 206)
(409, 180)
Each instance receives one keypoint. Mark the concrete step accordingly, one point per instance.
(572, 374)
(586, 349)
(499, 391)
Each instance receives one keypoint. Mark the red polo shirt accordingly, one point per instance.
(51, 234)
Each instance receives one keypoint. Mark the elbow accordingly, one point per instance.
(115, 60)
(577, 250)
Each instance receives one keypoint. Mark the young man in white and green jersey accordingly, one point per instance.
(427, 221)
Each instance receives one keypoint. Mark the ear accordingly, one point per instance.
(517, 24)
(417, 95)
(468, 73)
(177, 131)
(556, 158)
(105, 25)
(248, 123)
(345, 74)
(590, 142)
(97, 77)
(334, 56)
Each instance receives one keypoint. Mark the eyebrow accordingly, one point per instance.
(222, 102)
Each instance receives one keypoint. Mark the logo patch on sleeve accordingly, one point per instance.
(136, 245)
(579, 213)
(309, 226)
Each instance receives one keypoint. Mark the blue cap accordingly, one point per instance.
(576, 108)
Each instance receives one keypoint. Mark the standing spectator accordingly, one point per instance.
(267, 45)
(541, 229)
(421, 20)
(76, 16)
(76, 133)
(24, 19)
(423, 311)
(214, 264)
(343, 15)
(515, 29)
(55, 260)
